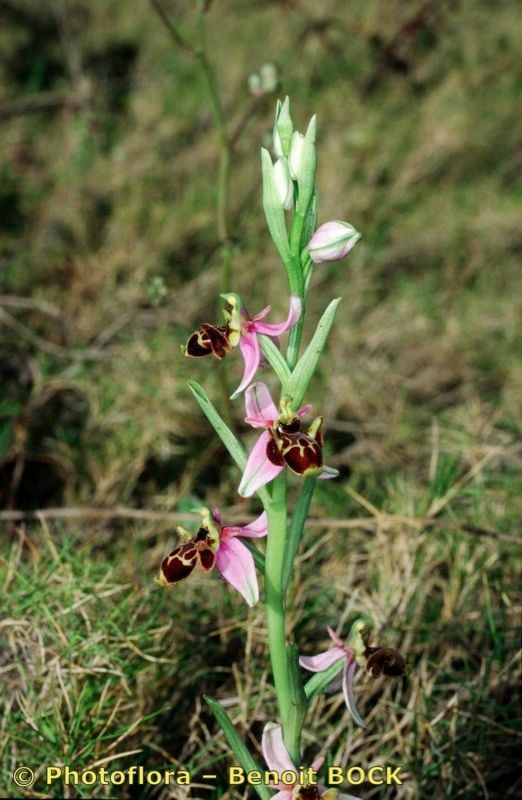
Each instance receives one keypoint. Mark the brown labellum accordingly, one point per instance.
(384, 661)
(209, 339)
(309, 793)
(180, 563)
(298, 450)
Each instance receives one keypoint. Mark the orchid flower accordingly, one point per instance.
(355, 652)
(278, 760)
(324, 660)
(243, 330)
(219, 546)
(282, 443)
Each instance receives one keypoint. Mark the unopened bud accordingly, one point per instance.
(332, 241)
(264, 81)
(284, 183)
(295, 158)
(283, 129)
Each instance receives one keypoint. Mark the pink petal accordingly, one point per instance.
(294, 313)
(304, 410)
(236, 565)
(349, 672)
(249, 347)
(322, 661)
(336, 684)
(274, 750)
(317, 763)
(259, 470)
(262, 314)
(335, 638)
(284, 794)
(328, 472)
(260, 409)
(217, 516)
(255, 529)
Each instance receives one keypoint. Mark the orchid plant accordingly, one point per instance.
(286, 446)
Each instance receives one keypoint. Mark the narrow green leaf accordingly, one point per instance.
(298, 704)
(259, 558)
(276, 359)
(236, 744)
(321, 680)
(307, 364)
(295, 530)
(233, 445)
(274, 212)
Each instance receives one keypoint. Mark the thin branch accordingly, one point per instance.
(178, 37)
(43, 101)
(44, 344)
(119, 512)
(30, 304)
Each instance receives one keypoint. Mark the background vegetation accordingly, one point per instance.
(108, 183)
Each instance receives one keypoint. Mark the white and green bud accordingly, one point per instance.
(306, 163)
(283, 129)
(295, 158)
(265, 81)
(284, 182)
(273, 207)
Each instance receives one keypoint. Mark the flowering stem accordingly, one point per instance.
(297, 286)
(275, 609)
(295, 531)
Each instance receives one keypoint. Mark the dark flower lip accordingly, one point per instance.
(209, 339)
(179, 564)
(273, 454)
(385, 661)
(302, 453)
(309, 793)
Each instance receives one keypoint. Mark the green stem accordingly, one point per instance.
(295, 531)
(275, 609)
(297, 286)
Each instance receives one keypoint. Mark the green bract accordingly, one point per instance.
(305, 367)
(306, 177)
(274, 212)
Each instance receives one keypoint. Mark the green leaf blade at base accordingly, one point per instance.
(236, 744)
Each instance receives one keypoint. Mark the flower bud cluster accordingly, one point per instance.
(292, 179)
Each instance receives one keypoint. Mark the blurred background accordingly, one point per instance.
(113, 129)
